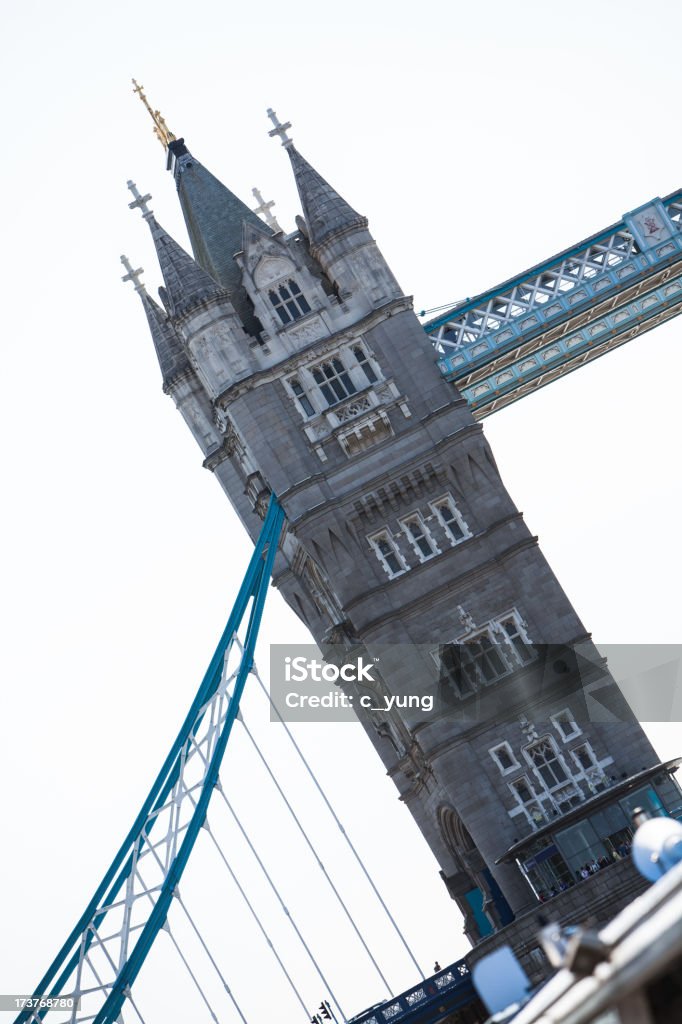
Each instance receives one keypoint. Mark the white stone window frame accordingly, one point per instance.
(575, 730)
(435, 507)
(283, 282)
(386, 535)
(355, 372)
(570, 774)
(595, 775)
(495, 634)
(419, 518)
(534, 810)
(515, 764)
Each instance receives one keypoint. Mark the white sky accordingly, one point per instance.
(479, 139)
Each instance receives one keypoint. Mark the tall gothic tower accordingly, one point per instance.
(298, 363)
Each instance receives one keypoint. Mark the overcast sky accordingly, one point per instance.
(479, 139)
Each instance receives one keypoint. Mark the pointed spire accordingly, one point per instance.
(172, 357)
(214, 216)
(186, 283)
(326, 212)
(169, 348)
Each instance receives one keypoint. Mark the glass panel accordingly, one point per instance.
(582, 849)
(647, 798)
(670, 793)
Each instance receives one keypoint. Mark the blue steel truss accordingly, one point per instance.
(104, 953)
(432, 1000)
(553, 318)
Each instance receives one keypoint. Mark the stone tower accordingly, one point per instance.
(298, 363)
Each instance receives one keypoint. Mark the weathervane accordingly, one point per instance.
(161, 130)
(279, 129)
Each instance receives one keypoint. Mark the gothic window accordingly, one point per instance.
(451, 519)
(304, 402)
(289, 301)
(565, 725)
(363, 361)
(419, 537)
(549, 766)
(333, 380)
(387, 552)
(504, 758)
(486, 655)
(482, 662)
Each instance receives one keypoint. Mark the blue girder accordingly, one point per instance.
(556, 316)
(253, 588)
(429, 1001)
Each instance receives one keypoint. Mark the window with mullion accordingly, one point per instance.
(547, 764)
(288, 301)
(451, 520)
(419, 537)
(333, 380)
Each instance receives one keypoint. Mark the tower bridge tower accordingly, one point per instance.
(299, 365)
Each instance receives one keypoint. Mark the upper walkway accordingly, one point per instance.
(574, 307)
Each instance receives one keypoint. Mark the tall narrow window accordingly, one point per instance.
(510, 629)
(333, 381)
(504, 758)
(387, 552)
(364, 362)
(419, 537)
(451, 519)
(289, 301)
(566, 725)
(304, 402)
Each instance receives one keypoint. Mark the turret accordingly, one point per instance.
(337, 235)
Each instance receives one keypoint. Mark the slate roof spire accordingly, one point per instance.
(325, 211)
(186, 283)
(170, 351)
(214, 217)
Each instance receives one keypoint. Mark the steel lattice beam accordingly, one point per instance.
(555, 317)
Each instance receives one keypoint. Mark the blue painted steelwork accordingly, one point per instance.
(253, 588)
(431, 1000)
(570, 309)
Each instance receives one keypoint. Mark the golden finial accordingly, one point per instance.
(161, 130)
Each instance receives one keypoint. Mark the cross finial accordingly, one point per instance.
(279, 129)
(133, 275)
(140, 201)
(161, 129)
(264, 209)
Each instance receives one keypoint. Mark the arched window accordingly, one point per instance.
(304, 402)
(334, 381)
(547, 764)
(289, 301)
(364, 362)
